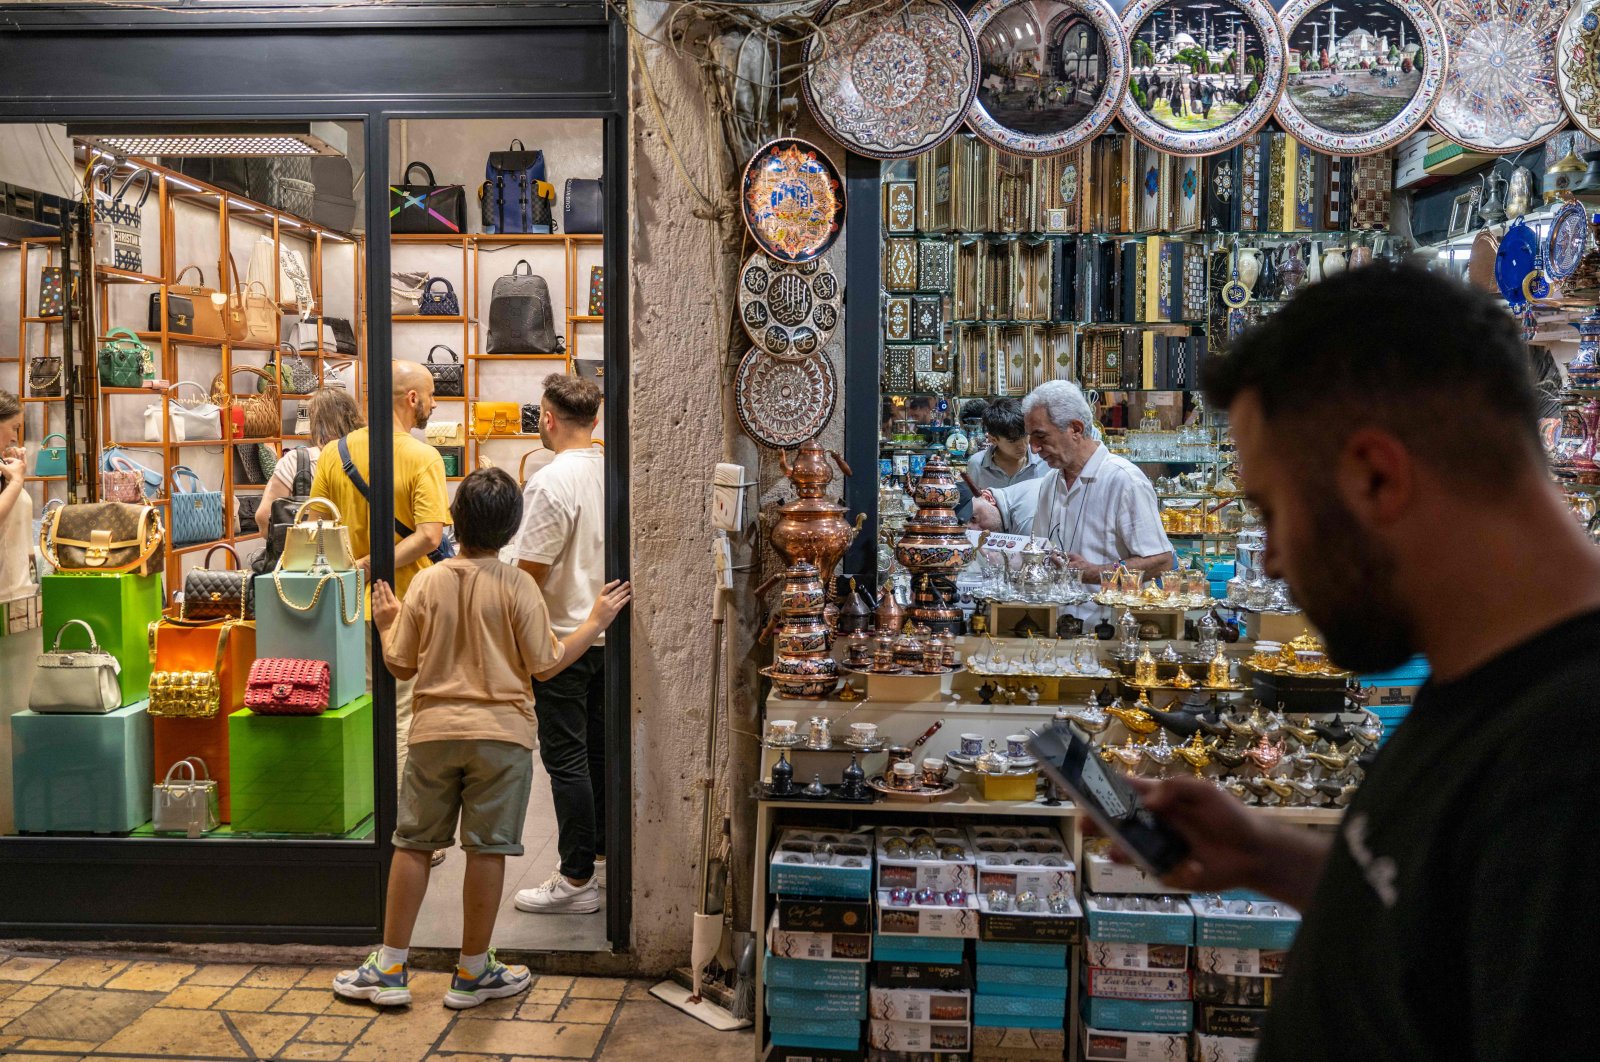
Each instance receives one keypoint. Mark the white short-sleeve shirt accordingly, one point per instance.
(563, 525)
(1108, 514)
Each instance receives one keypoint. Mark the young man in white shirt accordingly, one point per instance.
(562, 545)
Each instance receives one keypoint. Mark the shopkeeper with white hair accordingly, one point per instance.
(1097, 508)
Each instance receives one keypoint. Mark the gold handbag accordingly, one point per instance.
(496, 418)
(187, 694)
(263, 416)
(301, 544)
(103, 537)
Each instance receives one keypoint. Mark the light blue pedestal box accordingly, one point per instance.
(81, 773)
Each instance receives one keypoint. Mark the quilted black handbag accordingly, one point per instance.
(449, 378)
(248, 503)
(283, 511)
(530, 418)
(425, 208)
(218, 593)
(439, 303)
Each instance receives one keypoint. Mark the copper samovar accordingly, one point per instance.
(811, 528)
(934, 547)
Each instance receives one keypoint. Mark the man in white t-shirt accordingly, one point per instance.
(562, 545)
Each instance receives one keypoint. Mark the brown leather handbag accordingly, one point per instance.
(104, 537)
(252, 315)
(192, 309)
(253, 416)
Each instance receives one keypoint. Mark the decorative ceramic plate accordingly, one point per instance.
(793, 200)
(783, 403)
(789, 311)
(1577, 74)
(1203, 75)
(891, 81)
(1569, 235)
(1500, 87)
(1052, 73)
(1519, 249)
(1363, 74)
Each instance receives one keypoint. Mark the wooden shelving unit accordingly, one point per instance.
(35, 255)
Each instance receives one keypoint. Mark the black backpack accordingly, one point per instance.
(520, 317)
(283, 512)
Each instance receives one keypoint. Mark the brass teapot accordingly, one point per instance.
(811, 527)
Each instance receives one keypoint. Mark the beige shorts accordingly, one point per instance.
(483, 783)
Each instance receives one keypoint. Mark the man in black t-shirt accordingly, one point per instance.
(1385, 420)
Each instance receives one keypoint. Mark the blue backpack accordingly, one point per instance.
(515, 197)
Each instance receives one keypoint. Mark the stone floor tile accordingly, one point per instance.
(151, 976)
(330, 1029)
(638, 989)
(525, 1038)
(176, 1034)
(554, 984)
(313, 1051)
(248, 999)
(536, 1012)
(73, 1048)
(651, 1030)
(274, 977)
(404, 1034)
(7, 1040)
(599, 987)
(13, 1008)
(34, 992)
(320, 976)
(24, 968)
(545, 995)
(88, 1015)
(504, 1007)
(193, 997)
(8, 987)
(225, 974)
(303, 1001)
(590, 1011)
(267, 1033)
(74, 1057)
(81, 973)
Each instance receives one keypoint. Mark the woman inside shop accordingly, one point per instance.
(16, 507)
(333, 415)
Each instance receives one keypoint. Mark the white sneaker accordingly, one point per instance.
(560, 896)
(600, 872)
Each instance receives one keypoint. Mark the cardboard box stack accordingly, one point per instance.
(818, 944)
(1241, 942)
(1137, 993)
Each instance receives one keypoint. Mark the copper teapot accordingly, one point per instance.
(811, 527)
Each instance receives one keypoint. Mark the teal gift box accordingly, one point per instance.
(1018, 1011)
(302, 773)
(1035, 981)
(81, 773)
(284, 630)
(819, 975)
(119, 607)
(1012, 953)
(800, 1003)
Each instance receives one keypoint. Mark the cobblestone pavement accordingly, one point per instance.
(106, 1010)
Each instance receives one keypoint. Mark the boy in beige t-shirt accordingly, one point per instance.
(471, 631)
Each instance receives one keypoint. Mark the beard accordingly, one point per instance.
(1348, 592)
(421, 414)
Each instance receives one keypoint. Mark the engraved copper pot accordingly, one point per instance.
(934, 547)
(802, 592)
(811, 527)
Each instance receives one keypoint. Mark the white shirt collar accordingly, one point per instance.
(1091, 468)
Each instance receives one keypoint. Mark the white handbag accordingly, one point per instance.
(81, 681)
(186, 804)
(302, 420)
(192, 421)
(405, 292)
(446, 433)
(315, 544)
(294, 281)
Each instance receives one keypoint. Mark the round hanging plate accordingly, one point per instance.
(787, 310)
(891, 81)
(792, 199)
(1569, 235)
(1500, 86)
(1514, 261)
(1578, 65)
(1362, 74)
(1184, 53)
(783, 403)
(1052, 73)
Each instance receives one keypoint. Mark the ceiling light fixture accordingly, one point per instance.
(202, 140)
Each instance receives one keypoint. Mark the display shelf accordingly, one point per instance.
(423, 318)
(43, 320)
(517, 357)
(113, 275)
(48, 249)
(587, 318)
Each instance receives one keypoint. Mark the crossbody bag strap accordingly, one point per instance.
(360, 483)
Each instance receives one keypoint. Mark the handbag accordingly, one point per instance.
(76, 680)
(280, 686)
(124, 360)
(583, 207)
(520, 317)
(425, 208)
(437, 303)
(302, 420)
(530, 418)
(296, 375)
(340, 374)
(104, 537)
(449, 378)
(118, 224)
(293, 276)
(248, 471)
(344, 334)
(496, 418)
(44, 376)
(191, 309)
(184, 694)
(247, 505)
(194, 420)
(451, 456)
(218, 593)
(445, 433)
(123, 479)
(346, 615)
(186, 804)
(284, 510)
(253, 416)
(52, 460)
(52, 299)
(252, 315)
(305, 540)
(196, 512)
(405, 293)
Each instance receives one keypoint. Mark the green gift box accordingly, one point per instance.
(86, 773)
(302, 773)
(119, 607)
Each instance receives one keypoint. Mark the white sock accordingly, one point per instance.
(389, 958)
(473, 964)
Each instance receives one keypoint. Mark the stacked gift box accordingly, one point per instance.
(818, 944)
(1137, 992)
(1241, 941)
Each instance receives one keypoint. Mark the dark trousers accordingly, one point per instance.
(572, 744)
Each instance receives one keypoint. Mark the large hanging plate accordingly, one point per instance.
(792, 199)
(1578, 65)
(1052, 73)
(1362, 74)
(1519, 249)
(891, 81)
(783, 403)
(1568, 239)
(789, 311)
(1500, 86)
(1203, 75)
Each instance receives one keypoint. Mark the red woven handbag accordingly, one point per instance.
(287, 687)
